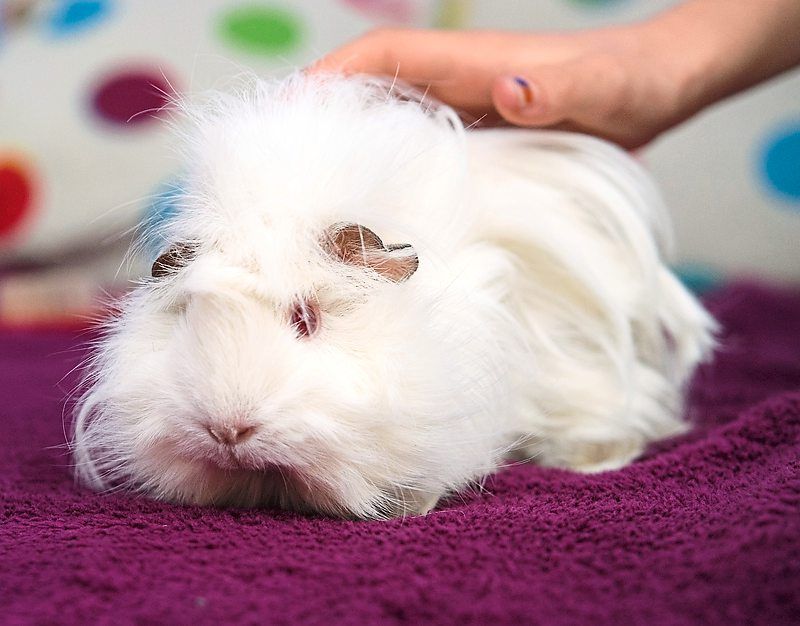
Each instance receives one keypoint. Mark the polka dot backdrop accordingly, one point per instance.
(780, 162)
(84, 152)
(16, 195)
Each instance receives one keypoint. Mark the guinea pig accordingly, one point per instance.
(362, 306)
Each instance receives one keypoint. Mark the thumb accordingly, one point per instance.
(546, 95)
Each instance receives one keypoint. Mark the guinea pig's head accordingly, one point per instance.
(281, 354)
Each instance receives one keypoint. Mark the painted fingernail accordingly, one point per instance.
(524, 92)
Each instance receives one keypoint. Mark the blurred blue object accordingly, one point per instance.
(698, 277)
(70, 17)
(163, 207)
(780, 162)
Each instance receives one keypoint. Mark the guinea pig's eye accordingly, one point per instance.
(304, 318)
(176, 256)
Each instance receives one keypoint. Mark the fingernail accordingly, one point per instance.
(524, 92)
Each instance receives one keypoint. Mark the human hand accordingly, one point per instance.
(605, 82)
(626, 84)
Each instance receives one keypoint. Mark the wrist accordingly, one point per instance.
(690, 62)
(716, 48)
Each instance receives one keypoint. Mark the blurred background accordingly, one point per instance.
(85, 155)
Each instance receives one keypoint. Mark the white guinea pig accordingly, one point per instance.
(363, 307)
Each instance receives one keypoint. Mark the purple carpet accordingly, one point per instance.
(705, 529)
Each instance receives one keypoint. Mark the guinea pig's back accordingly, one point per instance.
(613, 333)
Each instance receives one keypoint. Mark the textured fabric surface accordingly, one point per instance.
(704, 529)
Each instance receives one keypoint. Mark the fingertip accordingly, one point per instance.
(329, 64)
(504, 93)
(519, 100)
(314, 68)
(367, 54)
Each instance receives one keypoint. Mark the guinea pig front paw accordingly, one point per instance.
(413, 503)
(595, 457)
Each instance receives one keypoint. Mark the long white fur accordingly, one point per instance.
(542, 321)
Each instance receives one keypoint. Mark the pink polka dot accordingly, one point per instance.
(16, 194)
(131, 97)
(402, 11)
(17, 13)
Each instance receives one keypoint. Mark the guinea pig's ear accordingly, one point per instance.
(176, 257)
(358, 245)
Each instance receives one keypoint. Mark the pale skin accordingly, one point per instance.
(625, 83)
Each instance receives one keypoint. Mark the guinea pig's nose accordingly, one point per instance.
(229, 434)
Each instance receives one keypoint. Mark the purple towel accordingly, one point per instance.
(705, 529)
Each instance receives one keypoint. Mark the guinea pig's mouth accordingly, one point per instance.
(273, 473)
(241, 477)
(234, 459)
(211, 477)
(246, 462)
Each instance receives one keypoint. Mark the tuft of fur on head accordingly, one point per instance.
(540, 315)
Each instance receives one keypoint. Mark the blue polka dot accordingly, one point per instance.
(780, 162)
(74, 16)
(164, 207)
(698, 277)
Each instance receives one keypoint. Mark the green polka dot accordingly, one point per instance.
(452, 14)
(260, 29)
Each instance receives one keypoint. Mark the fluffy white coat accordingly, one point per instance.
(542, 321)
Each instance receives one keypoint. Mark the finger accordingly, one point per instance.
(365, 55)
(446, 65)
(581, 91)
(413, 55)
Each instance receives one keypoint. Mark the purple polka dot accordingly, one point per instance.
(131, 97)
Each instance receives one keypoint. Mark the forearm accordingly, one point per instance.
(721, 47)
